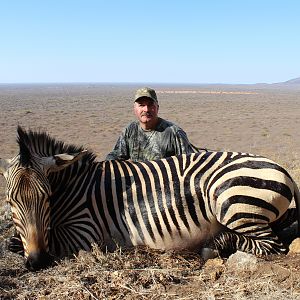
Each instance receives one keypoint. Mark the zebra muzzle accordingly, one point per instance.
(39, 260)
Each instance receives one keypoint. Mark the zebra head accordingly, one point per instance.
(28, 191)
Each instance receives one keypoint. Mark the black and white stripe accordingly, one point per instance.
(224, 200)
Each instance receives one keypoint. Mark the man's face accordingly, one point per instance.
(146, 110)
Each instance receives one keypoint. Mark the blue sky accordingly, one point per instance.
(213, 41)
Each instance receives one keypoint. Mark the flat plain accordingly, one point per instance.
(261, 119)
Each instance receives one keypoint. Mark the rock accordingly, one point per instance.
(295, 246)
(208, 253)
(213, 269)
(241, 261)
(271, 270)
(213, 263)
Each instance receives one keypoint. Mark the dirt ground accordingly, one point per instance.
(258, 119)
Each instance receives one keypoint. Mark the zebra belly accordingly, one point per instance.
(192, 238)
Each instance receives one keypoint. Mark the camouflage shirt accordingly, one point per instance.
(136, 144)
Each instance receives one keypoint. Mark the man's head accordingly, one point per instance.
(146, 107)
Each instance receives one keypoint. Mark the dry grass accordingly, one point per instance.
(147, 274)
(260, 121)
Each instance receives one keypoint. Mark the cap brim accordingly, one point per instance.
(145, 96)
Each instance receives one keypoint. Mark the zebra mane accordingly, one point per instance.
(41, 144)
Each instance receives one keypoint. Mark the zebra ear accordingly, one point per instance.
(4, 165)
(58, 162)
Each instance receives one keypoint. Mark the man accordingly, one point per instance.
(150, 137)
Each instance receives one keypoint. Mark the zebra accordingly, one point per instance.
(63, 199)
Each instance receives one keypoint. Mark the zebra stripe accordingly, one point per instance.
(160, 200)
(227, 200)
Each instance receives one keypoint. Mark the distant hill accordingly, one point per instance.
(292, 81)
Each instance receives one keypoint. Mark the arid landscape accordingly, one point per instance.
(261, 119)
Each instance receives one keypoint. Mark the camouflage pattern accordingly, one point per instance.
(146, 92)
(138, 145)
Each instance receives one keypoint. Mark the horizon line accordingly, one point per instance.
(132, 82)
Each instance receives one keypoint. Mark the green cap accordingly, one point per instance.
(146, 92)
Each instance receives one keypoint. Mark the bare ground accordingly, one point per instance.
(258, 120)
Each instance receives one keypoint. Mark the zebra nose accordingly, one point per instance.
(38, 260)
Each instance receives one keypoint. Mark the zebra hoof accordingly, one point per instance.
(208, 253)
(14, 244)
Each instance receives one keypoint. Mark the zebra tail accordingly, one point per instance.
(199, 149)
(297, 201)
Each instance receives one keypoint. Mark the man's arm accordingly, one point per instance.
(120, 151)
(183, 144)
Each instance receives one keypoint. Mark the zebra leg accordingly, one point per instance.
(288, 218)
(262, 244)
(286, 226)
(14, 244)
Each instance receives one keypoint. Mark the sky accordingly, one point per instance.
(157, 41)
